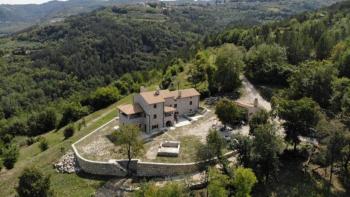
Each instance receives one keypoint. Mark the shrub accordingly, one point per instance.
(43, 145)
(10, 156)
(30, 141)
(33, 183)
(103, 97)
(69, 131)
(42, 122)
(73, 112)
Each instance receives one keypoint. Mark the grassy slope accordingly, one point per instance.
(63, 184)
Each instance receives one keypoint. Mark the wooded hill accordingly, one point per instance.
(54, 75)
(55, 68)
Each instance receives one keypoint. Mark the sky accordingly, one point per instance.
(22, 1)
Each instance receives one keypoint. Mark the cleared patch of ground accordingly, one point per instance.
(249, 93)
(97, 146)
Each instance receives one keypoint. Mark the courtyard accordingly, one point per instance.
(191, 135)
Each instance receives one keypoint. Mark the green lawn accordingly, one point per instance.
(188, 151)
(63, 184)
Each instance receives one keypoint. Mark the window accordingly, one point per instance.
(155, 116)
(175, 105)
(155, 106)
(190, 102)
(140, 125)
(155, 126)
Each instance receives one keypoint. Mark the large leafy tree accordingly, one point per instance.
(10, 155)
(215, 143)
(313, 79)
(334, 152)
(41, 122)
(325, 45)
(340, 100)
(267, 64)
(32, 183)
(259, 118)
(244, 146)
(130, 142)
(229, 62)
(267, 146)
(217, 183)
(229, 113)
(300, 116)
(243, 181)
(103, 97)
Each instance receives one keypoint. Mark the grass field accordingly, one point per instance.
(62, 184)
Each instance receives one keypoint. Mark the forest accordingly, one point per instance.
(55, 71)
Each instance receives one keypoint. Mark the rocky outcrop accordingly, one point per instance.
(67, 163)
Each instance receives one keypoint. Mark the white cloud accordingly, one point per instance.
(23, 1)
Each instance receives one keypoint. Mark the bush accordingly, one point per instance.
(33, 183)
(43, 145)
(73, 112)
(10, 156)
(103, 97)
(42, 122)
(69, 131)
(30, 141)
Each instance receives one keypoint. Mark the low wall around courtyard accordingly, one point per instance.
(152, 169)
(142, 169)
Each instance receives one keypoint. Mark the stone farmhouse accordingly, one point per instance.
(154, 110)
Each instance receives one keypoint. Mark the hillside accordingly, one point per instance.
(51, 67)
(18, 17)
(57, 74)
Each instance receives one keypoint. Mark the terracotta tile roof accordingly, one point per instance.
(130, 109)
(244, 105)
(185, 93)
(152, 98)
(169, 109)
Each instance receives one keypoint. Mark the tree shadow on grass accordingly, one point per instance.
(293, 181)
(102, 178)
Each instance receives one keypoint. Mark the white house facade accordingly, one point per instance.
(154, 110)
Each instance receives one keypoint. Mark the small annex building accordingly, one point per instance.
(154, 110)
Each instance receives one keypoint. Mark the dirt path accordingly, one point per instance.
(250, 93)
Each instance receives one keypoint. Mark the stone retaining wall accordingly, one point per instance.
(142, 169)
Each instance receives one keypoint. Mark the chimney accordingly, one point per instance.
(179, 93)
(256, 102)
(142, 89)
(156, 93)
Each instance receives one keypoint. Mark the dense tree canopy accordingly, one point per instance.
(267, 64)
(301, 117)
(229, 113)
(33, 183)
(229, 62)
